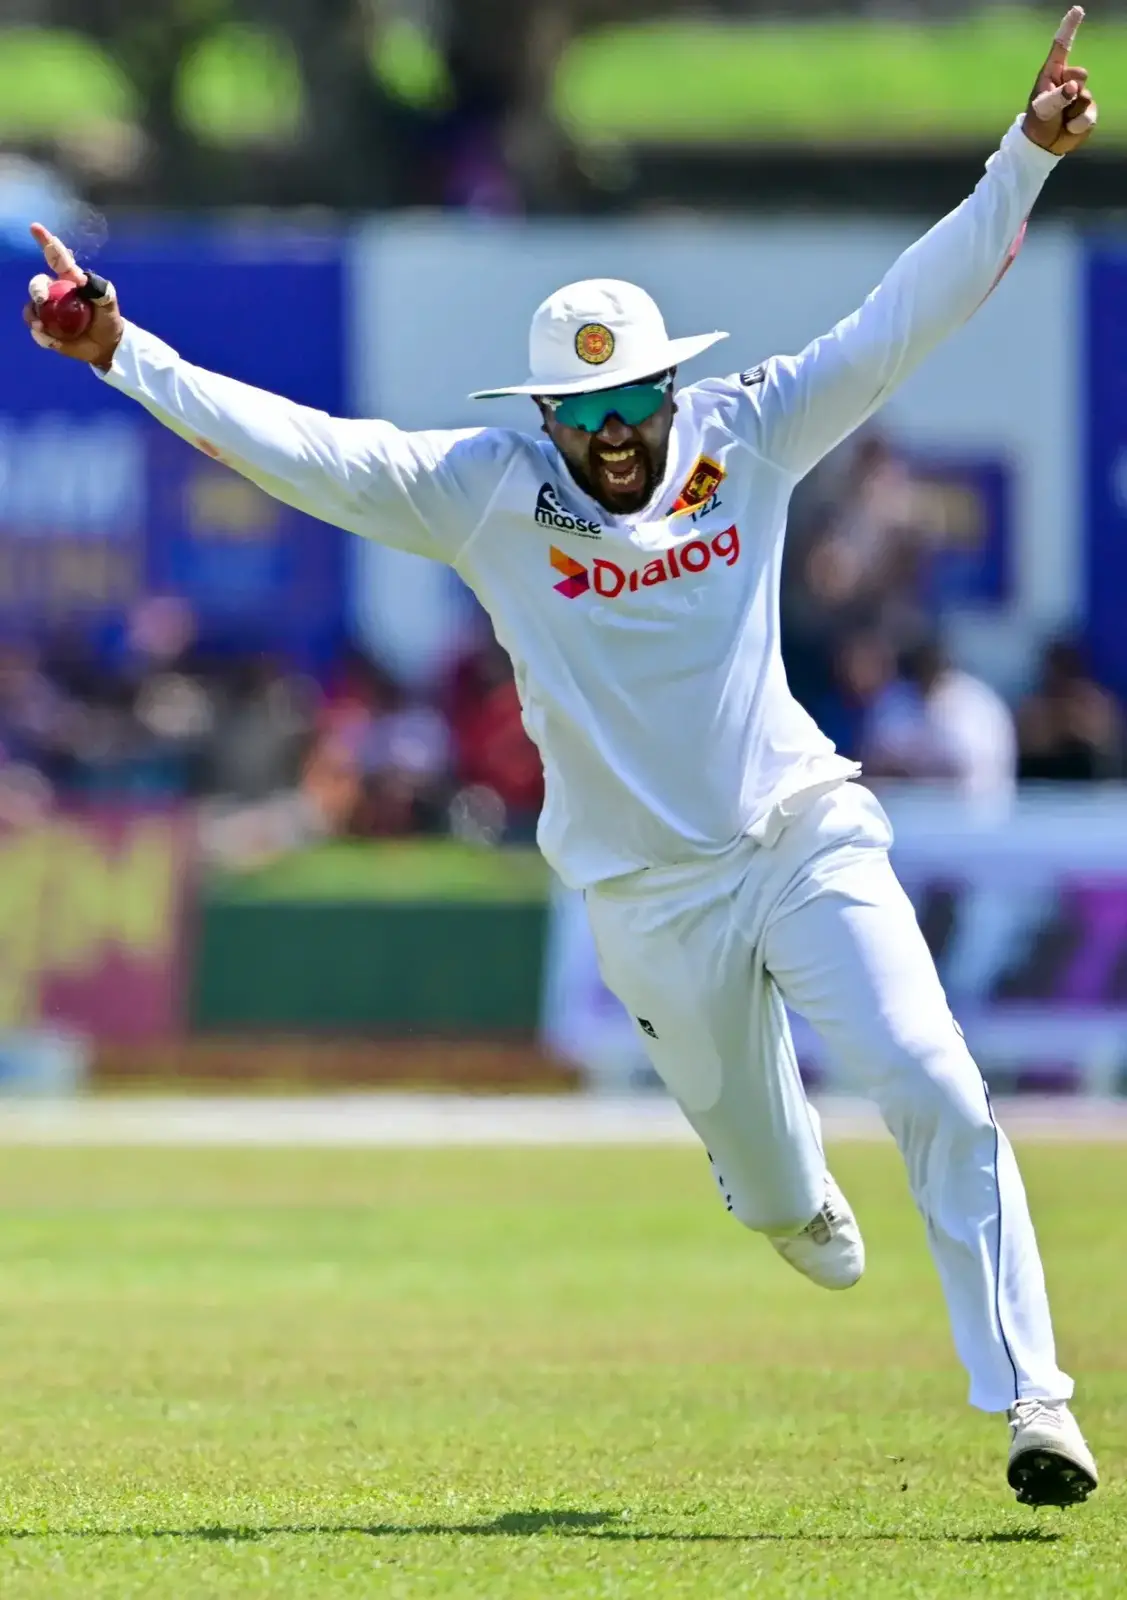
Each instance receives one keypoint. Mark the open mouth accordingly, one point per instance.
(623, 471)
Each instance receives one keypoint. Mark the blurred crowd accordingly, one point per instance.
(278, 759)
(866, 654)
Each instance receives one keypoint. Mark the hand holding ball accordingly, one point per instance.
(64, 313)
(71, 310)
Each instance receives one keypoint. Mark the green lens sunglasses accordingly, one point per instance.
(633, 403)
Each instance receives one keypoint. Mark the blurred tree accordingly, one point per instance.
(363, 104)
(355, 103)
(355, 138)
(149, 42)
(348, 127)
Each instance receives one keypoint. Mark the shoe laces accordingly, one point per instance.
(1025, 1412)
(820, 1230)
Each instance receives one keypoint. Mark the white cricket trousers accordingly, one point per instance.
(704, 957)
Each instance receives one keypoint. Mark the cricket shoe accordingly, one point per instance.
(830, 1250)
(1050, 1463)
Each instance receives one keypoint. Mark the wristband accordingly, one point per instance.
(96, 289)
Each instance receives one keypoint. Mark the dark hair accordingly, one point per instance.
(922, 662)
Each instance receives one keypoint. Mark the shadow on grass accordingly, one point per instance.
(527, 1524)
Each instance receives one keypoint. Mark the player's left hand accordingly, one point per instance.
(1061, 113)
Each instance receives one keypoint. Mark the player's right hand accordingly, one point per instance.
(98, 344)
(1062, 112)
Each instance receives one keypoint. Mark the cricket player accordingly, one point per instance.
(629, 553)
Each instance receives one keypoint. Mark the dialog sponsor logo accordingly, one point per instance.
(608, 580)
(576, 578)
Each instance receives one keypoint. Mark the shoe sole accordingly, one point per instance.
(837, 1287)
(1042, 1477)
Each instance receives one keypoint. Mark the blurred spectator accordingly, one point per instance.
(865, 667)
(497, 765)
(1070, 729)
(401, 748)
(262, 719)
(359, 692)
(875, 501)
(854, 581)
(405, 758)
(34, 720)
(174, 714)
(322, 805)
(822, 606)
(940, 724)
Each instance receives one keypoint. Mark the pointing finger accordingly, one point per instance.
(59, 258)
(1066, 36)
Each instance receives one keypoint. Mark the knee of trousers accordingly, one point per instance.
(936, 1094)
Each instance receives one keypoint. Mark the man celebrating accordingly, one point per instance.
(629, 557)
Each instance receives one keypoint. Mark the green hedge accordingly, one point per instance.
(848, 82)
(400, 870)
(397, 938)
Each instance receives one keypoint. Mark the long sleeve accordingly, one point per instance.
(802, 406)
(422, 492)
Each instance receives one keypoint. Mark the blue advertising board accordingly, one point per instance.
(963, 504)
(1105, 365)
(100, 506)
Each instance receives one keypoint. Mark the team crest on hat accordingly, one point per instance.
(594, 344)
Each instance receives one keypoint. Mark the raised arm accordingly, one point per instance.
(807, 404)
(423, 492)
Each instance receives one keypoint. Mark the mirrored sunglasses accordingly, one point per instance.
(633, 403)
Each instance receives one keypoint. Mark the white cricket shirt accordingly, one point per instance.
(646, 648)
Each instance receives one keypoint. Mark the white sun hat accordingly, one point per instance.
(596, 335)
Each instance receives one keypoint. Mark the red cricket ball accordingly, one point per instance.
(64, 314)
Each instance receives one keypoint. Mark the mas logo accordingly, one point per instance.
(594, 344)
(700, 486)
(608, 580)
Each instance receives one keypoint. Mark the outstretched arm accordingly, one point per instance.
(808, 403)
(423, 492)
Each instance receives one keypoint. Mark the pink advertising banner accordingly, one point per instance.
(92, 922)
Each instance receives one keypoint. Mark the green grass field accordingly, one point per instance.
(515, 1373)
